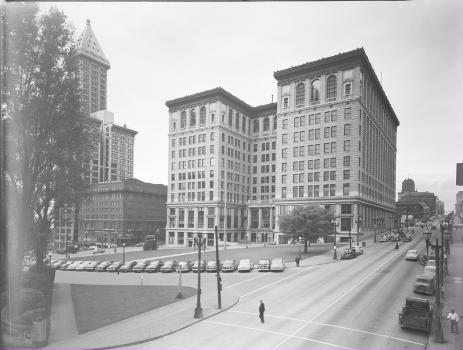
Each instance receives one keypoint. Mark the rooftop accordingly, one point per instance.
(88, 45)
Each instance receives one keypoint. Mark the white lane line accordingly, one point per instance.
(248, 280)
(278, 333)
(330, 325)
(336, 300)
(275, 282)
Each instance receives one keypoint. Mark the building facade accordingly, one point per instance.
(330, 140)
(122, 211)
(459, 207)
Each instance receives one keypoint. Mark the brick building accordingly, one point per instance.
(330, 140)
(128, 210)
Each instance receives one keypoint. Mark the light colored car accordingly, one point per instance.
(98, 251)
(245, 265)
(140, 266)
(103, 265)
(277, 265)
(430, 270)
(114, 266)
(91, 265)
(228, 265)
(82, 266)
(74, 265)
(358, 249)
(384, 238)
(169, 266)
(211, 266)
(431, 263)
(412, 254)
(154, 266)
(185, 266)
(263, 265)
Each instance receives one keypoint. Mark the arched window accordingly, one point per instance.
(300, 94)
(202, 116)
(331, 87)
(255, 127)
(192, 118)
(183, 120)
(315, 91)
(266, 124)
(230, 118)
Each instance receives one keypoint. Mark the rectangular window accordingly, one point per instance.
(296, 122)
(284, 167)
(295, 165)
(317, 118)
(302, 121)
(326, 163)
(284, 153)
(345, 189)
(316, 191)
(334, 131)
(326, 190)
(301, 151)
(295, 151)
(284, 124)
(283, 192)
(334, 115)
(309, 191)
(332, 175)
(284, 139)
(317, 164)
(311, 119)
(301, 191)
(333, 147)
(347, 113)
(326, 176)
(295, 191)
(310, 164)
(346, 174)
(285, 102)
(347, 129)
(296, 137)
(295, 178)
(327, 117)
(346, 208)
(346, 161)
(347, 146)
(310, 177)
(283, 179)
(310, 150)
(326, 132)
(317, 134)
(316, 176)
(302, 135)
(301, 165)
(311, 134)
(317, 149)
(333, 190)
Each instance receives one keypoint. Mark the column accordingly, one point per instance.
(248, 224)
(260, 218)
(195, 223)
(176, 238)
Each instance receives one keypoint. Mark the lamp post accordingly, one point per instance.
(335, 256)
(179, 290)
(350, 238)
(115, 241)
(438, 335)
(359, 222)
(299, 245)
(427, 235)
(123, 253)
(376, 227)
(198, 309)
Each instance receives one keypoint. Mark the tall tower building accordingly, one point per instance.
(329, 141)
(93, 67)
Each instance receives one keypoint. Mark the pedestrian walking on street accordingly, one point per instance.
(297, 261)
(453, 317)
(261, 311)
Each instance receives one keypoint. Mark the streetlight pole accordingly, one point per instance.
(376, 227)
(217, 262)
(335, 256)
(350, 238)
(299, 245)
(115, 241)
(198, 309)
(123, 253)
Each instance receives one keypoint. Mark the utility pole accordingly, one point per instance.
(219, 279)
(198, 309)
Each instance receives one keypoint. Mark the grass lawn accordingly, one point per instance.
(96, 306)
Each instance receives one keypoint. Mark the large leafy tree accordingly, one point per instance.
(49, 140)
(307, 221)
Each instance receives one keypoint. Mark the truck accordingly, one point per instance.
(416, 314)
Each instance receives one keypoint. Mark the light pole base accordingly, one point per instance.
(198, 312)
(179, 295)
(335, 256)
(396, 245)
(438, 334)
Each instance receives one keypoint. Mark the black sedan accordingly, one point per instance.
(348, 254)
(154, 266)
(127, 267)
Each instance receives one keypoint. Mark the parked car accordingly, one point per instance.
(358, 249)
(58, 264)
(407, 238)
(98, 251)
(169, 266)
(115, 266)
(103, 265)
(74, 265)
(81, 267)
(348, 254)
(416, 314)
(140, 266)
(66, 265)
(228, 265)
(430, 270)
(211, 266)
(128, 266)
(395, 238)
(263, 265)
(91, 265)
(185, 266)
(196, 265)
(245, 265)
(154, 266)
(425, 284)
(277, 265)
(431, 263)
(412, 254)
(384, 238)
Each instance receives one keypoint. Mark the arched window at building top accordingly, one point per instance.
(183, 120)
(192, 118)
(202, 116)
(331, 87)
(255, 127)
(315, 91)
(266, 124)
(300, 94)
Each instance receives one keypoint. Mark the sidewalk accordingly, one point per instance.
(147, 326)
(453, 298)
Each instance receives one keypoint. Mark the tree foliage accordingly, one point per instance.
(306, 221)
(48, 138)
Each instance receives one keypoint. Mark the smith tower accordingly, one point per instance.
(93, 67)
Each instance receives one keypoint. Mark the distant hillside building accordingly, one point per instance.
(122, 211)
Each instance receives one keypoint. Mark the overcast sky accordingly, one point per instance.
(161, 51)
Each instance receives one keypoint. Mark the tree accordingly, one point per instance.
(307, 221)
(49, 140)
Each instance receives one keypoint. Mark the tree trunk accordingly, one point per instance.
(305, 246)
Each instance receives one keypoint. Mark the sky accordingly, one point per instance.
(161, 51)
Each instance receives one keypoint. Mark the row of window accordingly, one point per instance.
(315, 164)
(315, 176)
(315, 134)
(329, 190)
(329, 147)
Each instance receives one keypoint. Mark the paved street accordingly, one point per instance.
(348, 304)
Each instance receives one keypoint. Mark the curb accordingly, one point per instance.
(165, 334)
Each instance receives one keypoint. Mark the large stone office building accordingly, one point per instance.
(330, 140)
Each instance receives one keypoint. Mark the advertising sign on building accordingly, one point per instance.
(459, 174)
